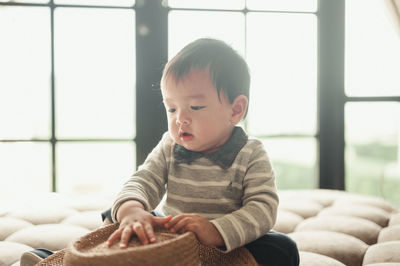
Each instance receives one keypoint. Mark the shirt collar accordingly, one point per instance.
(223, 157)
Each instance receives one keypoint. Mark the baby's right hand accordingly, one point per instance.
(140, 222)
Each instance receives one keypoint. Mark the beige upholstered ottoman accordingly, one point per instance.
(348, 228)
(330, 227)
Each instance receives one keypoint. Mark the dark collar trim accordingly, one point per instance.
(224, 157)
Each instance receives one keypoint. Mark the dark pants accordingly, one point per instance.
(272, 249)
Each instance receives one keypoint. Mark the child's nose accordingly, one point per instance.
(183, 119)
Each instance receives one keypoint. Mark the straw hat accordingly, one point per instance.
(170, 249)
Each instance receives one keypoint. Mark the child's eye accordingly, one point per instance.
(171, 110)
(197, 107)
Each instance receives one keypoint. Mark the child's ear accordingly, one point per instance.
(239, 107)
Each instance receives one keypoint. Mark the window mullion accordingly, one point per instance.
(151, 55)
(331, 42)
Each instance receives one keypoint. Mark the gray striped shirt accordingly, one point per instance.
(240, 200)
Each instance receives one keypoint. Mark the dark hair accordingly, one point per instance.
(228, 70)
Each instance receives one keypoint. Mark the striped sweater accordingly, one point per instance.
(234, 188)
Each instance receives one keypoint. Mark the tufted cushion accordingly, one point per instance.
(89, 219)
(344, 248)
(287, 221)
(10, 252)
(371, 213)
(383, 252)
(362, 229)
(3, 212)
(314, 259)
(11, 225)
(384, 264)
(303, 207)
(323, 197)
(394, 219)
(390, 233)
(42, 214)
(355, 199)
(296, 205)
(50, 236)
(89, 203)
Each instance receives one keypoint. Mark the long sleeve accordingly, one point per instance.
(147, 185)
(259, 204)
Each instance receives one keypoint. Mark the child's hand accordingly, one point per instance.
(139, 222)
(205, 231)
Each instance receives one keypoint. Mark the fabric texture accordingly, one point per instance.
(383, 252)
(314, 259)
(234, 188)
(342, 247)
(362, 229)
(42, 236)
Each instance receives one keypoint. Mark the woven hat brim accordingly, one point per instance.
(92, 250)
(175, 250)
(211, 256)
(53, 260)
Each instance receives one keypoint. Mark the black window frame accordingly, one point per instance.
(152, 54)
(53, 140)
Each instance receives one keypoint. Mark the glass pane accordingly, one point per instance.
(97, 2)
(187, 26)
(25, 72)
(25, 170)
(94, 167)
(283, 5)
(209, 4)
(372, 50)
(293, 160)
(372, 149)
(24, 1)
(95, 72)
(282, 55)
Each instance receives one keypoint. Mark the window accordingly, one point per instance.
(372, 50)
(26, 67)
(283, 93)
(372, 110)
(25, 99)
(95, 98)
(80, 103)
(67, 97)
(372, 148)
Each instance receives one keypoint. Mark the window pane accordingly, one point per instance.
(24, 1)
(372, 149)
(25, 72)
(25, 169)
(94, 68)
(209, 4)
(94, 167)
(372, 50)
(97, 2)
(283, 5)
(187, 26)
(293, 160)
(281, 52)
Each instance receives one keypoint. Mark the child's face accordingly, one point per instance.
(197, 118)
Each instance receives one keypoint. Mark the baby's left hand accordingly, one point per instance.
(205, 231)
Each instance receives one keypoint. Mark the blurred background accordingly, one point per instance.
(80, 106)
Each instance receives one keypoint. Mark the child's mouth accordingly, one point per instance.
(186, 136)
